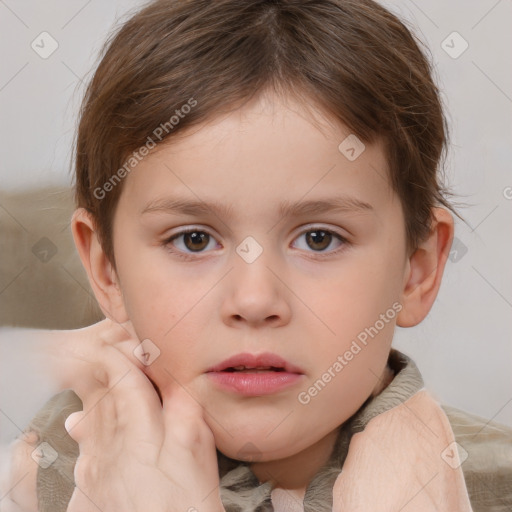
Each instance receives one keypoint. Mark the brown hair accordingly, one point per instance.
(351, 57)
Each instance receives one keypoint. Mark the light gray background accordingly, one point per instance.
(464, 347)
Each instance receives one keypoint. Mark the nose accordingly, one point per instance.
(256, 294)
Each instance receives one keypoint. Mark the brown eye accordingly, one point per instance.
(318, 240)
(190, 241)
(324, 242)
(196, 240)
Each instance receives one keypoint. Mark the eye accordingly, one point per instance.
(320, 239)
(193, 240)
(190, 241)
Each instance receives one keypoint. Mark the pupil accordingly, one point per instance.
(318, 239)
(196, 240)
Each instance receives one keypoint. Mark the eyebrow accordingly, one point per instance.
(179, 206)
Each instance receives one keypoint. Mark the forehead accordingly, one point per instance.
(268, 151)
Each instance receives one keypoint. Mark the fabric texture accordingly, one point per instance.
(488, 466)
(400, 451)
(55, 484)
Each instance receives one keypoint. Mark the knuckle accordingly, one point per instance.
(75, 426)
(100, 375)
(187, 435)
(29, 436)
(86, 471)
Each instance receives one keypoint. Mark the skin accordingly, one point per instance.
(203, 307)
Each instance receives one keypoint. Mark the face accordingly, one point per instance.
(272, 268)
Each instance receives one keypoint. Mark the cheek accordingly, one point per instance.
(358, 308)
(336, 394)
(161, 308)
(345, 377)
(157, 294)
(352, 298)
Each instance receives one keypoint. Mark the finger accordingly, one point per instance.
(69, 359)
(183, 419)
(94, 359)
(114, 333)
(109, 372)
(96, 430)
(123, 337)
(122, 390)
(94, 373)
(181, 402)
(113, 388)
(189, 444)
(138, 408)
(73, 426)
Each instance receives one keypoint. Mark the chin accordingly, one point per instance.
(253, 448)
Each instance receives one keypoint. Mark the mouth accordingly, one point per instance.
(244, 369)
(253, 363)
(255, 374)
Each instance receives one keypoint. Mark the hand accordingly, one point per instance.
(135, 454)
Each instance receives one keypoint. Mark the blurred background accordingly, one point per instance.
(48, 50)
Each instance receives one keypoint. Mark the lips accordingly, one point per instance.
(255, 363)
(255, 375)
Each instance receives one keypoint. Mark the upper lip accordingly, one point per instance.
(255, 361)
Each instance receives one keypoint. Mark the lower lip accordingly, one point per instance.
(254, 384)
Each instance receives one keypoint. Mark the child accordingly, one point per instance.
(258, 206)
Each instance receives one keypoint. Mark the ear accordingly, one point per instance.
(425, 269)
(101, 274)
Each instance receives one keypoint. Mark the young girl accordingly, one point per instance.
(258, 206)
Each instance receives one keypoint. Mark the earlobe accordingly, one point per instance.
(101, 274)
(425, 270)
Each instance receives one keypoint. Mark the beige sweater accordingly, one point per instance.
(487, 471)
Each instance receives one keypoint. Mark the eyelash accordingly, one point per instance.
(318, 254)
